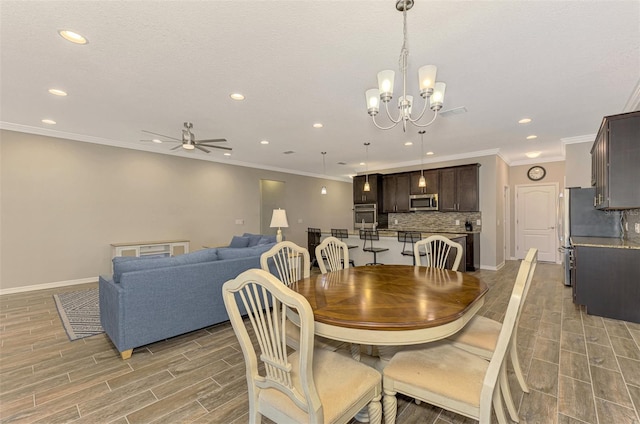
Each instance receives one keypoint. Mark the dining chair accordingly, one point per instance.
(437, 249)
(292, 263)
(410, 238)
(452, 378)
(369, 235)
(332, 255)
(305, 385)
(343, 234)
(480, 337)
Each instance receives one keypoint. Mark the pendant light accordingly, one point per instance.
(324, 172)
(367, 187)
(422, 183)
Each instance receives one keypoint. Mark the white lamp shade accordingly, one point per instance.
(427, 78)
(422, 182)
(437, 98)
(373, 100)
(279, 219)
(367, 187)
(323, 190)
(385, 84)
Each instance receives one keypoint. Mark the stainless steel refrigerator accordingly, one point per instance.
(577, 217)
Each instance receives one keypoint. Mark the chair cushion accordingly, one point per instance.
(441, 370)
(340, 381)
(479, 336)
(238, 241)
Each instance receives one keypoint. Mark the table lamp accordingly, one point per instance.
(279, 220)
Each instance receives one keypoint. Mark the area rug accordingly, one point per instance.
(80, 313)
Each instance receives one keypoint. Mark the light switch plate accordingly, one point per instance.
(457, 222)
(478, 222)
(239, 221)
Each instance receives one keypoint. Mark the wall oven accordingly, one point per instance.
(365, 215)
(423, 202)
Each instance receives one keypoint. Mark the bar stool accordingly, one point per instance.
(341, 234)
(313, 240)
(410, 237)
(370, 236)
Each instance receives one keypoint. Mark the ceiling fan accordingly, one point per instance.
(189, 141)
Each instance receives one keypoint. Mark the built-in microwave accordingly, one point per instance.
(423, 202)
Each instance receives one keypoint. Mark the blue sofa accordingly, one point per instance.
(151, 299)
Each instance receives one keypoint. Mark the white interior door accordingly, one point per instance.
(536, 220)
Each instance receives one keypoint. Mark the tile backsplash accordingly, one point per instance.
(633, 218)
(434, 221)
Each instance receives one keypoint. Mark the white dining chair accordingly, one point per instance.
(437, 249)
(480, 337)
(332, 255)
(305, 385)
(452, 378)
(292, 263)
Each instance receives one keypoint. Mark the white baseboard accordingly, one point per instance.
(48, 285)
(493, 268)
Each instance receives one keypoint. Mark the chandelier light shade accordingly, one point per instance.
(432, 92)
(324, 172)
(279, 220)
(367, 187)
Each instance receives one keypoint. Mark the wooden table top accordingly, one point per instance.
(392, 297)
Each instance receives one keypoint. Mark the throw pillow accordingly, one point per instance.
(238, 241)
(253, 238)
(267, 240)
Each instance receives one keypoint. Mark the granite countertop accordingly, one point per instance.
(612, 242)
(384, 232)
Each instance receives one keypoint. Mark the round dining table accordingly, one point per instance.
(388, 305)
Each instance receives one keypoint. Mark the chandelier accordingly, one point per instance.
(429, 89)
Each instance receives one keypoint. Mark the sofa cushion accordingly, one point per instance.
(128, 264)
(247, 252)
(253, 239)
(266, 240)
(238, 241)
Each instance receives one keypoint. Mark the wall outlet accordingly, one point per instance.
(395, 222)
(478, 222)
(626, 226)
(457, 222)
(239, 221)
(637, 227)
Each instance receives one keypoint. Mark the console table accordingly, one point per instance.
(150, 248)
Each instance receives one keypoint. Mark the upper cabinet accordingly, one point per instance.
(432, 177)
(615, 156)
(374, 195)
(459, 189)
(395, 193)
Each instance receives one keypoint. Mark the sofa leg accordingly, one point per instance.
(126, 354)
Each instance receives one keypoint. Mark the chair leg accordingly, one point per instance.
(390, 407)
(515, 361)
(506, 393)
(375, 410)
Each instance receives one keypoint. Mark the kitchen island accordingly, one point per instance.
(389, 240)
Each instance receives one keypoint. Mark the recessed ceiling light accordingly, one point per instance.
(49, 121)
(74, 37)
(362, 164)
(430, 153)
(533, 154)
(236, 96)
(157, 140)
(408, 143)
(524, 121)
(57, 92)
(532, 137)
(318, 125)
(264, 142)
(227, 154)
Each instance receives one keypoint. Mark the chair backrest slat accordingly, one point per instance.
(292, 262)
(332, 255)
(437, 249)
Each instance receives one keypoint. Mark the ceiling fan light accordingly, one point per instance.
(437, 98)
(188, 146)
(373, 101)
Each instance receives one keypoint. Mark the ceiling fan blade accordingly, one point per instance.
(214, 147)
(213, 140)
(161, 135)
(177, 147)
(202, 148)
(163, 141)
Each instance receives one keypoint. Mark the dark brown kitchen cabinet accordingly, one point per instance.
(395, 193)
(374, 195)
(473, 251)
(459, 191)
(615, 156)
(432, 178)
(606, 282)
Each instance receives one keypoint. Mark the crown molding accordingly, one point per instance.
(633, 103)
(537, 161)
(588, 138)
(468, 155)
(153, 149)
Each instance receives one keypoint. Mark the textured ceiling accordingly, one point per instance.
(151, 65)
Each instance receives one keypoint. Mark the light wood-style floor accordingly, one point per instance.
(580, 368)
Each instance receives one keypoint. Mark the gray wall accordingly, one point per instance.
(64, 202)
(578, 164)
